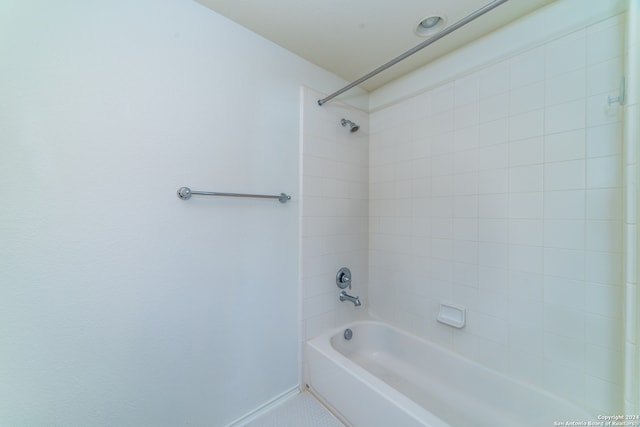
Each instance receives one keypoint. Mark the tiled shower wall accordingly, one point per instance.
(335, 208)
(502, 191)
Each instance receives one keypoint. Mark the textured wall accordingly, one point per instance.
(120, 304)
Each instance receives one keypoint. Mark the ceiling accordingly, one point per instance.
(352, 37)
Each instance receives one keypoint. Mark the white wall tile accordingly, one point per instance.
(526, 98)
(441, 122)
(604, 172)
(604, 203)
(526, 258)
(566, 350)
(526, 232)
(465, 206)
(605, 363)
(442, 186)
(603, 300)
(564, 204)
(494, 132)
(605, 43)
(465, 229)
(561, 292)
(564, 233)
(493, 206)
(493, 230)
(526, 125)
(465, 139)
(494, 79)
(565, 263)
(466, 115)
(604, 268)
(566, 54)
(569, 175)
(442, 98)
(604, 236)
(566, 380)
(527, 288)
(526, 178)
(494, 107)
(526, 152)
(466, 161)
(465, 251)
(565, 117)
(493, 181)
(566, 87)
(526, 205)
(565, 146)
(604, 77)
(442, 165)
(604, 140)
(600, 113)
(442, 143)
(604, 331)
(465, 275)
(466, 90)
(465, 183)
(442, 207)
(527, 68)
(494, 255)
(602, 394)
(493, 157)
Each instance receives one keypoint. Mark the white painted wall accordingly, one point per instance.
(119, 303)
(500, 188)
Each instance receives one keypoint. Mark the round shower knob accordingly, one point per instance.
(343, 278)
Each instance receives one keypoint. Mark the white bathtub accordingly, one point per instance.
(386, 377)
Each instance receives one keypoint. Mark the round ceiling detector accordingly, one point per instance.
(430, 25)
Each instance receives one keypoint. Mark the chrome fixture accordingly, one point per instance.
(344, 296)
(352, 126)
(185, 193)
(430, 25)
(620, 98)
(348, 334)
(343, 278)
(343, 281)
(450, 29)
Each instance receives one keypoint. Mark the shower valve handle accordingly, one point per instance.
(343, 278)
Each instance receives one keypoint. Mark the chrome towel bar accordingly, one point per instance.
(185, 193)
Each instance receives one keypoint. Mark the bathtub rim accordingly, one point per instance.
(322, 343)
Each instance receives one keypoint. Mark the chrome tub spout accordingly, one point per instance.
(344, 296)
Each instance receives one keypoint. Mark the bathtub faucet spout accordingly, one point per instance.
(344, 296)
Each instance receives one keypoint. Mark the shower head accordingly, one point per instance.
(352, 126)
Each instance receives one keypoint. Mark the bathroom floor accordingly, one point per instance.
(302, 410)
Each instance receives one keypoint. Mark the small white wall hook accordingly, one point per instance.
(620, 98)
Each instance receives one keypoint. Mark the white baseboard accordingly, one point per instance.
(261, 410)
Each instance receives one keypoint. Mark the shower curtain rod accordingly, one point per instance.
(415, 49)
